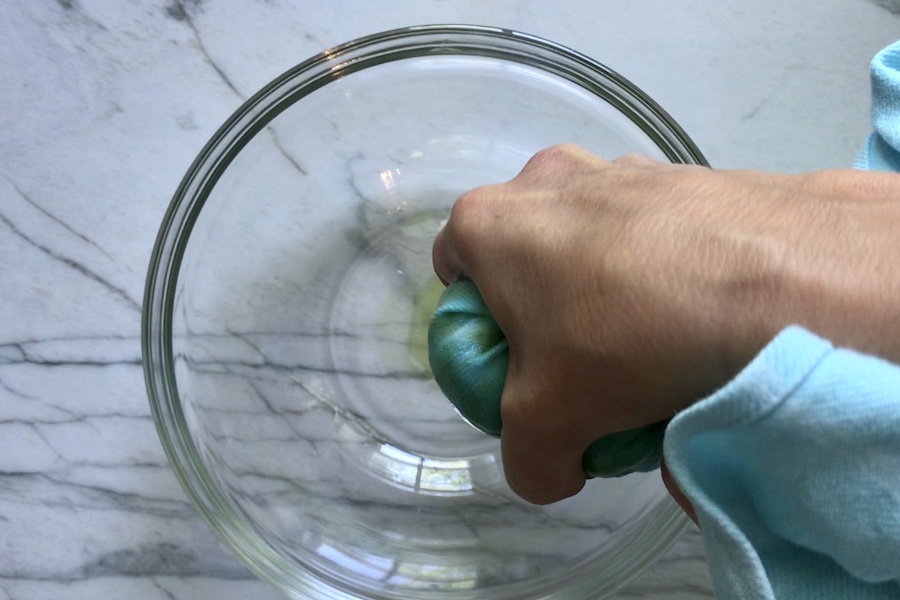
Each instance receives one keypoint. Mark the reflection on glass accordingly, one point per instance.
(387, 179)
(420, 474)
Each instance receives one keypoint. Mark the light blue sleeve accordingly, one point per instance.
(794, 471)
(794, 466)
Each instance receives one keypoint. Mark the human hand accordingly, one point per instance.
(629, 289)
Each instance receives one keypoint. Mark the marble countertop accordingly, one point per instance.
(105, 105)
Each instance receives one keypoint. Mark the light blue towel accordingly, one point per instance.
(880, 152)
(794, 466)
(794, 471)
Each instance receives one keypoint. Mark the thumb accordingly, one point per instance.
(676, 493)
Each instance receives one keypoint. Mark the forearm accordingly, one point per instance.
(837, 252)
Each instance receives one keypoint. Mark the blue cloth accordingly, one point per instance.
(794, 466)
(881, 152)
(468, 355)
(794, 471)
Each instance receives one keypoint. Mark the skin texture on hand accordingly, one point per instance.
(630, 289)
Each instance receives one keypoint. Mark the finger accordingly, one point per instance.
(676, 493)
(559, 162)
(535, 473)
(541, 459)
(445, 267)
(461, 242)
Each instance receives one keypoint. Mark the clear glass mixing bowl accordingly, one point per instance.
(285, 311)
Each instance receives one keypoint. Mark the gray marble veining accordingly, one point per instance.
(103, 107)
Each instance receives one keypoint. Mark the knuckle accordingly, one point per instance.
(469, 224)
(467, 215)
(634, 159)
(552, 158)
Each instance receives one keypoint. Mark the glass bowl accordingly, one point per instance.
(285, 314)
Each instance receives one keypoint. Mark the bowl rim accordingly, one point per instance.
(201, 177)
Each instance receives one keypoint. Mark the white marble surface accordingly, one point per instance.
(104, 105)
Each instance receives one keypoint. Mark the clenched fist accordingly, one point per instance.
(630, 289)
